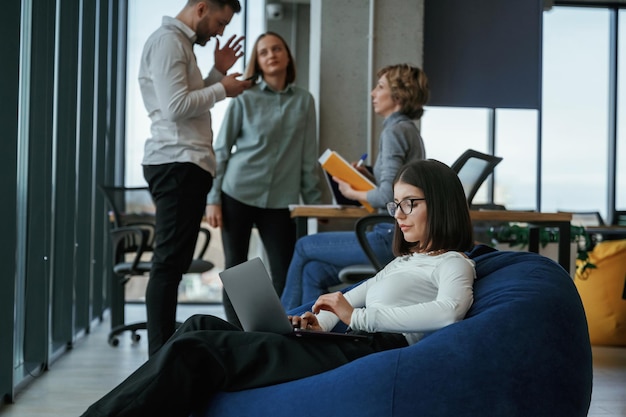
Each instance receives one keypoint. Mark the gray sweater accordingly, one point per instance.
(400, 143)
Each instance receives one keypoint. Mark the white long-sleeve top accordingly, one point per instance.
(412, 295)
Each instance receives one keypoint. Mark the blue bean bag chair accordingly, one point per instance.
(523, 350)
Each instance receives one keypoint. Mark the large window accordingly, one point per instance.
(575, 109)
(448, 132)
(620, 195)
(144, 17)
(575, 129)
(516, 142)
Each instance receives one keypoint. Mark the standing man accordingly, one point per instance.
(179, 163)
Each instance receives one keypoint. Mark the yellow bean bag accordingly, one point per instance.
(601, 291)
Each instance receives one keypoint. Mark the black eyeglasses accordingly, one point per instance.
(405, 206)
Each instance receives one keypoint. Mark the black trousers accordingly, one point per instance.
(208, 354)
(179, 192)
(278, 234)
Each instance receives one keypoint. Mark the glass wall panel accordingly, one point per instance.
(144, 17)
(620, 180)
(47, 172)
(450, 131)
(516, 143)
(64, 177)
(11, 296)
(575, 109)
(38, 185)
(255, 24)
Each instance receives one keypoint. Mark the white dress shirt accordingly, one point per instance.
(178, 99)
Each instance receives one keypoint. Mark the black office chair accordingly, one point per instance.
(130, 241)
(132, 236)
(473, 168)
(133, 206)
(128, 205)
(355, 273)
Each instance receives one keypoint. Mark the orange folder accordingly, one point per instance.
(337, 166)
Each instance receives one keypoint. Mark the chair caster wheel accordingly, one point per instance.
(135, 337)
(114, 341)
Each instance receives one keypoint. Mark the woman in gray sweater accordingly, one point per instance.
(399, 97)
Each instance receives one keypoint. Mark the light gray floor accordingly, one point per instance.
(92, 368)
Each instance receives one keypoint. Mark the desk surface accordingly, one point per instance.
(606, 227)
(330, 211)
(519, 216)
(561, 220)
(606, 230)
(490, 215)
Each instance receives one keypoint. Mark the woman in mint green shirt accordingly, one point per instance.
(266, 155)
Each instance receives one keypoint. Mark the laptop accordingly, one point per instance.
(338, 198)
(250, 290)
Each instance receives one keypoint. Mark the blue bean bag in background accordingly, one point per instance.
(523, 350)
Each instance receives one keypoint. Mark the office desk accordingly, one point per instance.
(562, 221)
(301, 213)
(608, 232)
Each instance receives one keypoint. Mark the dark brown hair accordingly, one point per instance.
(449, 226)
(233, 4)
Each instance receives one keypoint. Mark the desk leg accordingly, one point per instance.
(302, 227)
(533, 239)
(565, 235)
(118, 300)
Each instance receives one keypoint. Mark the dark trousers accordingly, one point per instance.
(179, 192)
(278, 234)
(208, 354)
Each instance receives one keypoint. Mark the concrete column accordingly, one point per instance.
(350, 41)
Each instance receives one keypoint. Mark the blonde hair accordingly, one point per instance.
(409, 88)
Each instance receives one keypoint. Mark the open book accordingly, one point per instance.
(336, 166)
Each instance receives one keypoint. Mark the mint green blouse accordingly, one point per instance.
(266, 149)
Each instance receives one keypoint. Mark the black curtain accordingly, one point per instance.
(483, 53)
